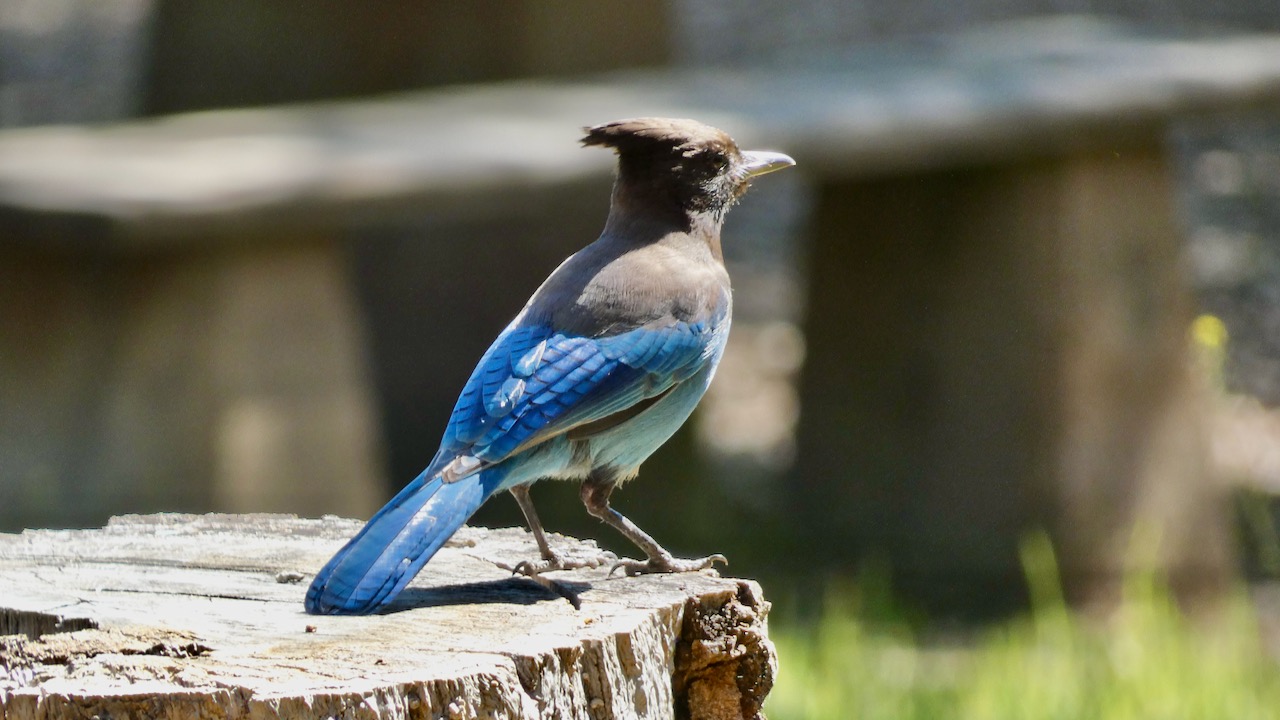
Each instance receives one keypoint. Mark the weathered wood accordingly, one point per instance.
(1013, 339)
(241, 370)
(184, 616)
(999, 93)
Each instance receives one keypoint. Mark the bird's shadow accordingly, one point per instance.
(512, 591)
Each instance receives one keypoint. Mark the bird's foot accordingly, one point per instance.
(557, 561)
(667, 564)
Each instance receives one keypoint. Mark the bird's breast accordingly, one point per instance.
(644, 286)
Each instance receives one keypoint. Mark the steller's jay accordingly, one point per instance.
(603, 364)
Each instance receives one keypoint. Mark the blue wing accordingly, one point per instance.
(535, 383)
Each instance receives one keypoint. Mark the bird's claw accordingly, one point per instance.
(632, 568)
(534, 568)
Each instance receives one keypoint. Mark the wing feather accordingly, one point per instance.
(535, 383)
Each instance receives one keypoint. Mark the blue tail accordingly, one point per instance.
(371, 569)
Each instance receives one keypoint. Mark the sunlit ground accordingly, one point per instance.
(1147, 661)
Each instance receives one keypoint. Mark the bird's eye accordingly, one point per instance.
(715, 163)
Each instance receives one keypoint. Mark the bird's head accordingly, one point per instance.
(682, 164)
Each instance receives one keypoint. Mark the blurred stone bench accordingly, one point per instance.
(994, 222)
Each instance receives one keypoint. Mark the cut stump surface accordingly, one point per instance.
(185, 616)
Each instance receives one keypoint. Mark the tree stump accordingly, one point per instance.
(185, 616)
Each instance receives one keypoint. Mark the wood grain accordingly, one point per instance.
(186, 616)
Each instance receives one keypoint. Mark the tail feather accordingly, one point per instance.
(376, 564)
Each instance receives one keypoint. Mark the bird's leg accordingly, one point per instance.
(551, 560)
(595, 496)
(525, 501)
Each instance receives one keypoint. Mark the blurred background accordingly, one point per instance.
(996, 428)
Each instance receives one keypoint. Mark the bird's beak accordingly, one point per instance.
(759, 162)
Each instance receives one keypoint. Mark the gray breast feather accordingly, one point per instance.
(599, 293)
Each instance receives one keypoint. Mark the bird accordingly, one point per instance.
(603, 364)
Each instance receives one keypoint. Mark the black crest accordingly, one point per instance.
(660, 135)
(684, 160)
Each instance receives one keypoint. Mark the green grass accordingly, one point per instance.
(1147, 661)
